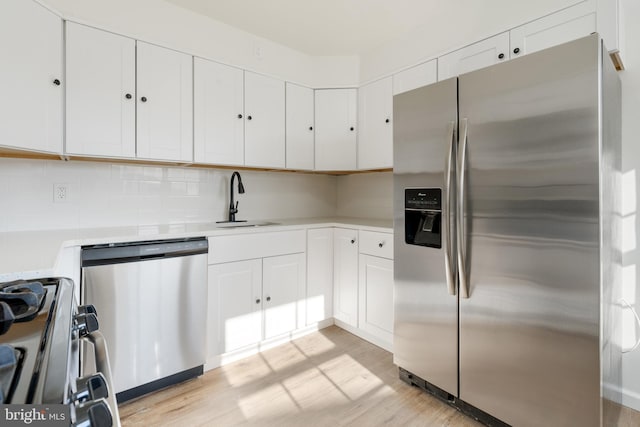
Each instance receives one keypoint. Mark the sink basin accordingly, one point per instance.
(245, 224)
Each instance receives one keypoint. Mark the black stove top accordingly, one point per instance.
(26, 321)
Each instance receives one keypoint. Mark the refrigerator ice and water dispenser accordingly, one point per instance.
(423, 217)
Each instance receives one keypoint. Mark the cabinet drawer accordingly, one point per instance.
(376, 244)
(255, 245)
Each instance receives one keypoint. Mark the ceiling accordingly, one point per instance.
(320, 27)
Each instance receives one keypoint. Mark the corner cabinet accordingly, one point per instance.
(218, 113)
(335, 117)
(264, 137)
(299, 127)
(375, 139)
(319, 275)
(31, 92)
(127, 99)
(345, 276)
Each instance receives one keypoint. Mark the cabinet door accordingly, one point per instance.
(319, 275)
(264, 138)
(235, 306)
(218, 113)
(375, 139)
(31, 81)
(336, 117)
(283, 289)
(299, 126)
(165, 104)
(478, 55)
(415, 77)
(101, 106)
(560, 27)
(376, 298)
(345, 274)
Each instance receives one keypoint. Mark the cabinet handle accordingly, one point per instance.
(516, 50)
(501, 56)
(257, 300)
(249, 117)
(351, 128)
(310, 127)
(143, 99)
(56, 82)
(353, 241)
(381, 244)
(387, 121)
(128, 96)
(268, 298)
(239, 116)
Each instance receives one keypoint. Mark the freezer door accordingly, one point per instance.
(426, 313)
(529, 349)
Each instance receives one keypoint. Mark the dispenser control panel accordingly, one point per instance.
(423, 198)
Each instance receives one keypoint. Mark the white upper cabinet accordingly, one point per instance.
(375, 138)
(415, 77)
(299, 127)
(31, 88)
(101, 92)
(264, 131)
(165, 104)
(336, 117)
(218, 113)
(560, 27)
(475, 56)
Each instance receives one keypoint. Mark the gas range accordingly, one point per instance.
(41, 329)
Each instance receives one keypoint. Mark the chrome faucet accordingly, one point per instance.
(233, 209)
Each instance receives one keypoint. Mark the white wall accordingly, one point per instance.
(453, 25)
(106, 194)
(163, 23)
(366, 195)
(631, 184)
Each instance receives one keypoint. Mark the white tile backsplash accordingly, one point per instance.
(107, 195)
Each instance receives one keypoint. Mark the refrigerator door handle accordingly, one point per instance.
(462, 153)
(448, 228)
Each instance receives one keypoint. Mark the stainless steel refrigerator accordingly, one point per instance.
(505, 220)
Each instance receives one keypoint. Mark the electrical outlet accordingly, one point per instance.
(60, 193)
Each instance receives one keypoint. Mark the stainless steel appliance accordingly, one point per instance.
(41, 328)
(151, 297)
(505, 256)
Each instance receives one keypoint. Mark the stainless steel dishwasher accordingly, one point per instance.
(151, 298)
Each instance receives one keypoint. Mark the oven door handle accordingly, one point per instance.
(103, 366)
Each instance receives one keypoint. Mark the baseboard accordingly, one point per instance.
(364, 335)
(233, 356)
(622, 396)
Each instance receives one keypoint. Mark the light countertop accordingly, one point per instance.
(35, 253)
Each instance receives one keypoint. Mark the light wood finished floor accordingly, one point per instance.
(329, 378)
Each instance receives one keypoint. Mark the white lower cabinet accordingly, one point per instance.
(283, 291)
(375, 286)
(235, 309)
(252, 302)
(319, 275)
(345, 276)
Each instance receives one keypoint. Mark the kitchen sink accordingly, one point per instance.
(245, 224)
